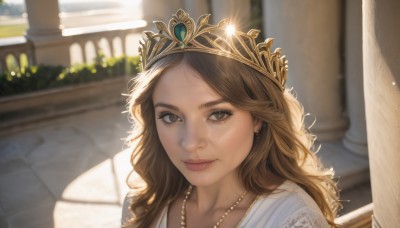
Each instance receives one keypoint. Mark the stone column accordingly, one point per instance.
(309, 33)
(196, 8)
(381, 57)
(355, 138)
(43, 17)
(45, 32)
(239, 11)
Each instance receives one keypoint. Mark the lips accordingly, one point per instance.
(198, 165)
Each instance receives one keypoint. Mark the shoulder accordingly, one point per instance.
(290, 195)
(304, 218)
(288, 206)
(127, 213)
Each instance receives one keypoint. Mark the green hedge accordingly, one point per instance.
(42, 77)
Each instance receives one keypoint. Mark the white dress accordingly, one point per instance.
(288, 206)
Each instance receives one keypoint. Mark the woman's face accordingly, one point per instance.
(205, 137)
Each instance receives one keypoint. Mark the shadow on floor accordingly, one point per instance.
(68, 172)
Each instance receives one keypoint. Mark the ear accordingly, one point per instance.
(257, 125)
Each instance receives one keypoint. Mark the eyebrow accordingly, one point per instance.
(161, 104)
(212, 103)
(202, 106)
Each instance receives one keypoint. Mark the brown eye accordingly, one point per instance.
(220, 115)
(169, 118)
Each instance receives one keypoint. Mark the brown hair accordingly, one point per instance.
(281, 151)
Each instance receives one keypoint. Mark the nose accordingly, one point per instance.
(193, 136)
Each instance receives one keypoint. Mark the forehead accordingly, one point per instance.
(182, 83)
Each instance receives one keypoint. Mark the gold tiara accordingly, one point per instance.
(182, 35)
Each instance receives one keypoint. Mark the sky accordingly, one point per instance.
(75, 1)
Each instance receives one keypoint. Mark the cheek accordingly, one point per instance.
(167, 138)
(237, 139)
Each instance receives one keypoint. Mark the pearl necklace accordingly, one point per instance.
(220, 220)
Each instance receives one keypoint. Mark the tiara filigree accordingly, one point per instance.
(183, 34)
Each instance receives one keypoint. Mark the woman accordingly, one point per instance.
(219, 141)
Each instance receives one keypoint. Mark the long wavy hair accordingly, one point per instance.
(282, 150)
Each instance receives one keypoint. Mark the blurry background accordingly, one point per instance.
(64, 65)
(73, 13)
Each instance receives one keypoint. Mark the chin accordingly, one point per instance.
(199, 180)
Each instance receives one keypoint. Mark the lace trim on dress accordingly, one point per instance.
(304, 218)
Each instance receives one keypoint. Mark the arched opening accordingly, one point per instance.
(75, 53)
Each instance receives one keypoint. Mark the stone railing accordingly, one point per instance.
(113, 39)
(359, 218)
(83, 43)
(14, 52)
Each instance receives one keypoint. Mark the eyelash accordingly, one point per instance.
(226, 114)
(164, 114)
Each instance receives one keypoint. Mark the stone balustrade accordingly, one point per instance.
(361, 217)
(82, 44)
(112, 39)
(16, 50)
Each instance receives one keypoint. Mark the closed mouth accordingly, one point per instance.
(198, 165)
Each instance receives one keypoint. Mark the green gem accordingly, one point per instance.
(180, 31)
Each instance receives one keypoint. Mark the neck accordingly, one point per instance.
(217, 196)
